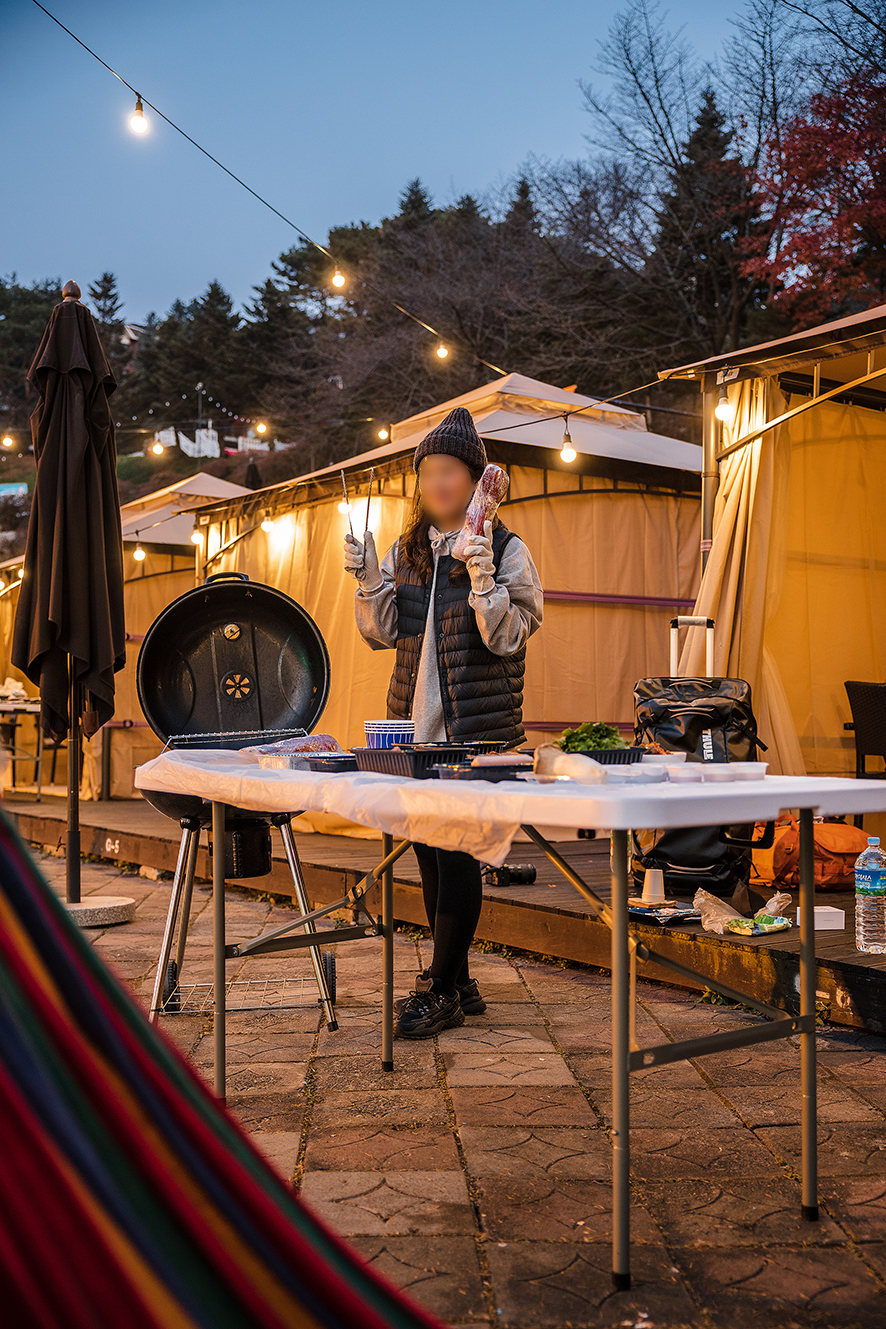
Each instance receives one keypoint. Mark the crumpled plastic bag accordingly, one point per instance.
(718, 916)
(550, 760)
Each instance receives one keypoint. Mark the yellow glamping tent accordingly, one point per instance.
(160, 524)
(793, 535)
(614, 533)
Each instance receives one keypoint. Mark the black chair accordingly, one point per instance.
(867, 701)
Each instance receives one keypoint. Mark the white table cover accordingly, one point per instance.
(482, 818)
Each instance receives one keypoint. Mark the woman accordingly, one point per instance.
(460, 634)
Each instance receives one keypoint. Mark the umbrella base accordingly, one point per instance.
(101, 911)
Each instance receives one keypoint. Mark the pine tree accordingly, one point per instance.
(107, 307)
(705, 220)
(415, 205)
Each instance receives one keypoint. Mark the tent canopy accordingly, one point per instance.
(165, 516)
(521, 420)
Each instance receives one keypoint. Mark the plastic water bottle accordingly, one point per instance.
(870, 899)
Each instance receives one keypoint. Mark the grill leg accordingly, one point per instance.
(189, 836)
(218, 946)
(190, 869)
(284, 825)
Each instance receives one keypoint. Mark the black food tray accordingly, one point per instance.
(333, 761)
(465, 771)
(614, 756)
(417, 762)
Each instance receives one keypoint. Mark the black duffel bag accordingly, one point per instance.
(710, 719)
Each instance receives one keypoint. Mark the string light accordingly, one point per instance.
(338, 279)
(21, 572)
(137, 122)
(261, 428)
(7, 442)
(383, 434)
(724, 410)
(442, 351)
(158, 448)
(496, 369)
(267, 522)
(344, 507)
(138, 553)
(567, 452)
(197, 538)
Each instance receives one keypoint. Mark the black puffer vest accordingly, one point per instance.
(482, 692)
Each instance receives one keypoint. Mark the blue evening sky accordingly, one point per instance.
(327, 109)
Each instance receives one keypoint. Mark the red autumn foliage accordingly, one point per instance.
(825, 192)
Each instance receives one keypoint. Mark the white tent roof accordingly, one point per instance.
(516, 409)
(164, 517)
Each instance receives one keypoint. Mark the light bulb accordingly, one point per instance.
(442, 351)
(383, 434)
(197, 538)
(7, 442)
(267, 524)
(138, 554)
(338, 279)
(344, 507)
(261, 429)
(724, 410)
(137, 122)
(158, 449)
(21, 571)
(567, 452)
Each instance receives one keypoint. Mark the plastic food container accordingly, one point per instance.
(465, 771)
(717, 772)
(663, 758)
(690, 773)
(388, 733)
(749, 770)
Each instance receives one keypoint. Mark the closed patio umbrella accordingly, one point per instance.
(69, 632)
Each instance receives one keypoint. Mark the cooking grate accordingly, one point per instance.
(232, 738)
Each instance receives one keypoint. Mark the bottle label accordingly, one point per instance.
(870, 881)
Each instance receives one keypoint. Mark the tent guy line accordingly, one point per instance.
(277, 213)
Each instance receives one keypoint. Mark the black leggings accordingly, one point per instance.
(453, 896)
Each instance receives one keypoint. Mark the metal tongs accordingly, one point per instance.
(344, 486)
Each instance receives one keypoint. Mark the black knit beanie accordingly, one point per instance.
(457, 437)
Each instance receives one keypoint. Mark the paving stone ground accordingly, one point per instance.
(477, 1174)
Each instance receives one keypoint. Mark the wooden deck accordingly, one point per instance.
(547, 918)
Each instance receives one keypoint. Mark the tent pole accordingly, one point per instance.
(72, 859)
(710, 467)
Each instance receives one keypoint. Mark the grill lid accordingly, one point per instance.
(232, 658)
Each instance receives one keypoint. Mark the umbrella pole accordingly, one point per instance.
(72, 860)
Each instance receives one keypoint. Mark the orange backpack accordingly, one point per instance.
(837, 846)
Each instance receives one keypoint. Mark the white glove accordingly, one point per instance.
(361, 561)
(478, 556)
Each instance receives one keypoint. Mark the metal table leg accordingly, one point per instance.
(387, 919)
(809, 1122)
(218, 943)
(189, 834)
(621, 1119)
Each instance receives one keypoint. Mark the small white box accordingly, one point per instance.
(827, 918)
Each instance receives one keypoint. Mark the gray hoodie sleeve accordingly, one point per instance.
(513, 610)
(377, 610)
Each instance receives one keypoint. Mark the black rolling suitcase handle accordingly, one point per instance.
(766, 840)
(692, 621)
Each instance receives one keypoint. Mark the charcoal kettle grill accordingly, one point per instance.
(230, 664)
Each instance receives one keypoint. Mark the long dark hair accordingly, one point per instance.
(415, 544)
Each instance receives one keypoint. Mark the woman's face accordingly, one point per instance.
(446, 487)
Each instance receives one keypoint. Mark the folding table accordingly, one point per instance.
(481, 818)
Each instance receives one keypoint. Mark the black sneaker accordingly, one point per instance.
(469, 996)
(425, 1014)
(423, 983)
